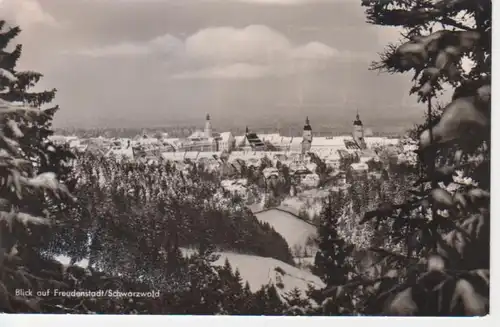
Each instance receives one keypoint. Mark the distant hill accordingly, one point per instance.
(388, 130)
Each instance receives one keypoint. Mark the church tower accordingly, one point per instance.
(358, 133)
(306, 137)
(208, 127)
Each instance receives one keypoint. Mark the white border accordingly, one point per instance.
(231, 321)
(40, 320)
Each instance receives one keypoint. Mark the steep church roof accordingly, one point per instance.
(358, 122)
(351, 144)
(307, 126)
(254, 140)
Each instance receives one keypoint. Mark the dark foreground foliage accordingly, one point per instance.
(445, 220)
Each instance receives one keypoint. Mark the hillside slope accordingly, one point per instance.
(259, 271)
(294, 230)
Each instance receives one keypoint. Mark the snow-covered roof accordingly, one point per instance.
(329, 141)
(371, 141)
(360, 166)
(147, 140)
(239, 139)
(121, 152)
(174, 143)
(62, 138)
(209, 155)
(191, 155)
(173, 156)
(268, 172)
(311, 166)
(312, 176)
(198, 135)
(274, 138)
(74, 142)
(225, 136)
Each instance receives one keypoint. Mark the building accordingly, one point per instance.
(351, 144)
(300, 173)
(270, 172)
(226, 142)
(358, 133)
(359, 167)
(208, 127)
(310, 180)
(251, 142)
(121, 149)
(201, 140)
(306, 137)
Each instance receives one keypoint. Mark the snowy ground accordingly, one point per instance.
(259, 271)
(294, 230)
(256, 207)
(65, 261)
(304, 261)
(309, 200)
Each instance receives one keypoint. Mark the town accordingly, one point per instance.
(207, 146)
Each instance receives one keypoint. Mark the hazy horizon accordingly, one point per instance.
(144, 63)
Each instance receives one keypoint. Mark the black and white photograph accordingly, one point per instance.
(245, 157)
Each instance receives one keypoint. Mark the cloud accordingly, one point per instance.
(314, 51)
(253, 52)
(26, 13)
(252, 43)
(165, 44)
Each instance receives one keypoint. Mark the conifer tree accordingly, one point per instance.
(296, 303)
(227, 267)
(234, 298)
(237, 278)
(27, 183)
(203, 295)
(34, 143)
(174, 259)
(273, 305)
(330, 262)
(32, 136)
(438, 37)
(257, 306)
(248, 298)
(31, 130)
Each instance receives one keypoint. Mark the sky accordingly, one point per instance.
(138, 63)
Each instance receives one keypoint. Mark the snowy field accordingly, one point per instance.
(294, 230)
(259, 271)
